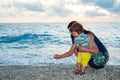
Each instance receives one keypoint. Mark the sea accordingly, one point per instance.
(36, 43)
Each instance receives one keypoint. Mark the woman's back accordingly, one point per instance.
(99, 60)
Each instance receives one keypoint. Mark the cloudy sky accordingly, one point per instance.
(59, 10)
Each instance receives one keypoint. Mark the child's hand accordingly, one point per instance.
(57, 56)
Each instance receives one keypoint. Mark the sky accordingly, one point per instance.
(14, 11)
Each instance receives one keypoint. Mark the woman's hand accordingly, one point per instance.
(66, 54)
(57, 56)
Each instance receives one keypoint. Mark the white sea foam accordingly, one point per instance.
(114, 56)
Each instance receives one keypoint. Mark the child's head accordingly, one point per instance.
(76, 29)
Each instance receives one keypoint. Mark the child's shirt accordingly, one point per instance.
(82, 40)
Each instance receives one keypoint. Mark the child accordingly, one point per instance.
(81, 39)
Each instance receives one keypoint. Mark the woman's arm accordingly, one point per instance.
(67, 54)
(92, 46)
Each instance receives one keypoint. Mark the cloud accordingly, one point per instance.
(23, 10)
(91, 13)
(57, 8)
(110, 5)
(101, 3)
(60, 10)
(19, 8)
(106, 3)
(115, 9)
(31, 6)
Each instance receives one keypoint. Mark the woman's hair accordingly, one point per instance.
(70, 24)
(84, 31)
(76, 26)
(87, 32)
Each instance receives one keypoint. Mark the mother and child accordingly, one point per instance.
(87, 47)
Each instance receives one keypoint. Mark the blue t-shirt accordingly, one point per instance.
(82, 40)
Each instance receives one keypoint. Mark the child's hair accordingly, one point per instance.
(77, 27)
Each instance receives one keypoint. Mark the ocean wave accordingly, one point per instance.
(33, 39)
(25, 37)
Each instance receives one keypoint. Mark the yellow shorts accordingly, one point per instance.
(83, 58)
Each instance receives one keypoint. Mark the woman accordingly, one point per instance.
(100, 54)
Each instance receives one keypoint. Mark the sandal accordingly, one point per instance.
(77, 72)
(82, 73)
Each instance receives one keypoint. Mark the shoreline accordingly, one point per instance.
(56, 72)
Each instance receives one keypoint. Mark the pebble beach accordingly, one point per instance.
(56, 72)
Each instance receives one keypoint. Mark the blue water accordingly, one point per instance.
(36, 43)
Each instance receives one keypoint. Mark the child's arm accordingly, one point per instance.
(67, 54)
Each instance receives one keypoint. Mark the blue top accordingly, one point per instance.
(82, 40)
